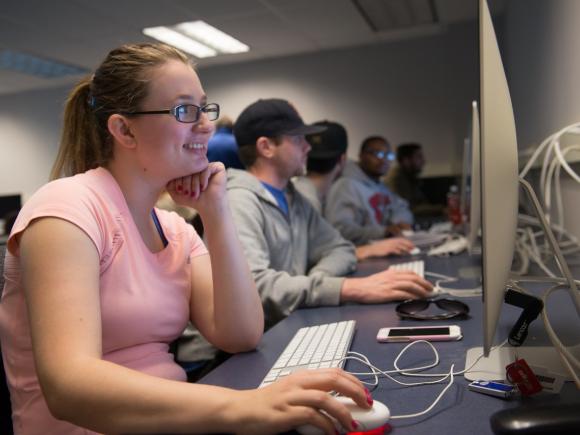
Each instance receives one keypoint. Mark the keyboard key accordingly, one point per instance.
(417, 266)
(313, 347)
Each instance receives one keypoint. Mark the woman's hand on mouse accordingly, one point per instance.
(297, 400)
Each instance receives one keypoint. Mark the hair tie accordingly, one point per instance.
(92, 102)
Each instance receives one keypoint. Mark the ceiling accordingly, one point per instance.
(81, 32)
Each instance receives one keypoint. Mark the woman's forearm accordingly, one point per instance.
(109, 398)
(238, 309)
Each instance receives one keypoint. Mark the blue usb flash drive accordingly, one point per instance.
(492, 388)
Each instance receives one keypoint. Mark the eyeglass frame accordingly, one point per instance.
(386, 155)
(442, 316)
(174, 111)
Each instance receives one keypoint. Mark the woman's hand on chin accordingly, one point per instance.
(202, 189)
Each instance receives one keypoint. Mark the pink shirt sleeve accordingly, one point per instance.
(64, 200)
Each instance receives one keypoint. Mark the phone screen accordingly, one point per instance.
(410, 332)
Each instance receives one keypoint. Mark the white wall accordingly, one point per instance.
(543, 62)
(29, 134)
(413, 90)
(541, 44)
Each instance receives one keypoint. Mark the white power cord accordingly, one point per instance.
(375, 372)
(568, 359)
(457, 292)
(554, 159)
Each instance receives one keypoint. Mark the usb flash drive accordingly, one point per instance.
(492, 388)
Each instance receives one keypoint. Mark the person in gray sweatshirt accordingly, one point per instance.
(360, 205)
(326, 161)
(296, 257)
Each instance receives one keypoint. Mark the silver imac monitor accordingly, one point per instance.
(498, 165)
(499, 211)
(470, 181)
(465, 187)
(499, 176)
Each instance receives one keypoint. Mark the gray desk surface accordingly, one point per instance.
(460, 411)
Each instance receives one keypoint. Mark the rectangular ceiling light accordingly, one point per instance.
(197, 38)
(179, 40)
(30, 64)
(212, 37)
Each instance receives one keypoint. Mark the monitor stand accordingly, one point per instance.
(537, 357)
(543, 360)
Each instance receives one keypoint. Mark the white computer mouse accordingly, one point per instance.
(415, 251)
(367, 419)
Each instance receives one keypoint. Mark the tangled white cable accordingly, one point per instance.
(376, 372)
(457, 292)
(554, 159)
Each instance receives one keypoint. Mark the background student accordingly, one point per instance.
(296, 257)
(403, 179)
(360, 205)
(222, 145)
(326, 161)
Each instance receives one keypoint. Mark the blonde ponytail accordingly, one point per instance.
(119, 85)
(81, 146)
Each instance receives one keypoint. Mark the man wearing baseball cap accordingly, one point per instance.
(296, 257)
(326, 161)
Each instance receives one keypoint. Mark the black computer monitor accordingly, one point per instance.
(9, 207)
(9, 204)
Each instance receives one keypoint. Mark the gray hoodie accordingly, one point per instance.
(296, 260)
(361, 207)
(306, 187)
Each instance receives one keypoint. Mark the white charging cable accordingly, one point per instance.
(375, 372)
(568, 359)
(554, 160)
(457, 292)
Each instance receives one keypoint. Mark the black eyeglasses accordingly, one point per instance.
(411, 309)
(188, 113)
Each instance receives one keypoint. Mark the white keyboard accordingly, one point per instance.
(313, 347)
(417, 266)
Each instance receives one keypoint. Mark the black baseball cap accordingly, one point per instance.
(270, 117)
(328, 144)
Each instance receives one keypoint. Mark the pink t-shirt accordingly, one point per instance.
(144, 295)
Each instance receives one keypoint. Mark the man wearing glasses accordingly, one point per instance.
(360, 205)
(326, 161)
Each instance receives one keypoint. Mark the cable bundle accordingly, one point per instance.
(531, 243)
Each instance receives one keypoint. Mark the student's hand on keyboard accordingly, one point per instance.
(394, 246)
(386, 286)
(297, 400)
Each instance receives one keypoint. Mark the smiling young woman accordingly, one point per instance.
(99, 281)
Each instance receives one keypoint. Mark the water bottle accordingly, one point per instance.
(453, 205)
